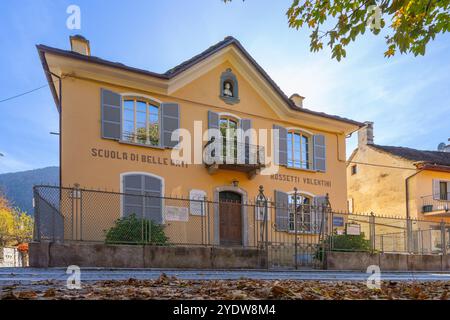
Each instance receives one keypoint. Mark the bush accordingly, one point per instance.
(344, 242)
(132, 230)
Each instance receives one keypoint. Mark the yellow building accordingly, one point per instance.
(398, 181)
(122, 129)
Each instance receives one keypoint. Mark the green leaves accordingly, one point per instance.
(413, 23)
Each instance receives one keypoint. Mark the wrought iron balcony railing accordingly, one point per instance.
(233, 153)
(438, 202)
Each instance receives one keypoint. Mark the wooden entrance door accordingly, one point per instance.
(230, 213)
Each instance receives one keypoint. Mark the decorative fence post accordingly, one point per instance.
(409, 236)
(263, 241)
(443, 238)
(295, 229)
(372, 232)
(261, 207)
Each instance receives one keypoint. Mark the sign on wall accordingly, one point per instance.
(195, 206)
(338, 221)
(176, 214)
(353, 229)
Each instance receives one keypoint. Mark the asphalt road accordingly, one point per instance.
(27, 276)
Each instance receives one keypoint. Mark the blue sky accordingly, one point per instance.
(407, 97)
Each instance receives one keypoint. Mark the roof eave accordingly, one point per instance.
(432, 167)
(169, 75)
(48, 76)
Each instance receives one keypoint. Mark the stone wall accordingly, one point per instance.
(359, 261)
(46, 254)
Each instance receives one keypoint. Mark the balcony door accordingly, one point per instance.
(228, 128)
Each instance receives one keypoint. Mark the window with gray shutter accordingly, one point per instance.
(436, 189)
(111, 114)
(246, 124)
(281, 210)
(142, 197)
(319, 153)
(281, 145)
(170, 123)
(213, 120)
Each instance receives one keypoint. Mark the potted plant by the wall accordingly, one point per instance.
(427, 208)
(133, 230)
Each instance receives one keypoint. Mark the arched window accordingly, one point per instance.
(299, 149)
(228, 128)
(141, 121)
(301, 206)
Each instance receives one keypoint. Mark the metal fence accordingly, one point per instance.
(295, 232)
(73, 214)
(388, 234)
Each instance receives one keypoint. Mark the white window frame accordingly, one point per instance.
(230, 117)
(149, 101)
(303, 194)
(303, 133)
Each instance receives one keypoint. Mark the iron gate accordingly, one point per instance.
(299, 244)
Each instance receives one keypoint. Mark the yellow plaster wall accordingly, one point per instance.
(81, 135)
(375, 188)
(381, 189)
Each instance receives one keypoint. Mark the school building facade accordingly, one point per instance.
(136, 132)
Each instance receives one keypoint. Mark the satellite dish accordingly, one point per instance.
(441, 146)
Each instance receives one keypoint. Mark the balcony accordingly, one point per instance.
(242, 157)
(439, 205)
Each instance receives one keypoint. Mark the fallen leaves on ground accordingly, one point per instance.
(166, 287)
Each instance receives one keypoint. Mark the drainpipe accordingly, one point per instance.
(407, 191)
(60, 125)
(408, 215)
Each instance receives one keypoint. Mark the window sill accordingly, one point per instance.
(303, 169)
(229, 100)
(141, 145)
(302, 232)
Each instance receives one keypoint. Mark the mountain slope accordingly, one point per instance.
(18, 186)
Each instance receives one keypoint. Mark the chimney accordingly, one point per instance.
(80, 44)
(365, 134)
(297, 100)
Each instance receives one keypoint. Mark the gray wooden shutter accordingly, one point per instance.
(282, 146)
(246, 124)
(132, 199)
(319, 152)
(111, 114)
(318, 219)
(170, 121)
(213, 155)
(153, 199)
(436, 189)
(142, 197)
(281, 210)
(213, 120)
